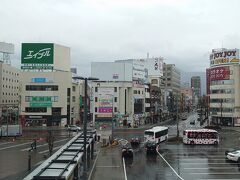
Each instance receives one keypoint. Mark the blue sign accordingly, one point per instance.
(39, 80)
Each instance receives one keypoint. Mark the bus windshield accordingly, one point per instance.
(149, 133)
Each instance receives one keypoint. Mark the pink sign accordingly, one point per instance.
(105, 110)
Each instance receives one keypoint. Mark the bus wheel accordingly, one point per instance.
(192, 143)
(238, 161)
(215, 143)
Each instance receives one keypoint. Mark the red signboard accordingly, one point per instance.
(219, 73)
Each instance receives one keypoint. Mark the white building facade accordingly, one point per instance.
(132, 74)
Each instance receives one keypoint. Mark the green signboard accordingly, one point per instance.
(40, 104)
(37, 54)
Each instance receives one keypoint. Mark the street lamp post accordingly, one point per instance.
(85, 119)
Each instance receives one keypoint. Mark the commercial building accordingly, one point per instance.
(172, 78)
(9, 86)
(49, 96)
(134, 76)
(196, 87)
(224, 82)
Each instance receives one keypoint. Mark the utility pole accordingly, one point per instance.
(177, 120)
(221, 111)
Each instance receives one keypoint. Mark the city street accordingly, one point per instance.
(180, 161)
(14, 154)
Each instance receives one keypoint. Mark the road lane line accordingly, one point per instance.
(203, 159)
(94, 165)
(217, 173)
(217, 179)
(168, 164)
(26, 149)
(213, 168)
(15, 146)
(41, 152)
(5, 143)
(124, 168)
(204, 163)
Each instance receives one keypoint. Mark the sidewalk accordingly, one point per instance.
(108, 165)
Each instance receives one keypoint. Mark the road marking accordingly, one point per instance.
(108, 166)
(204, 163)
(217, 179)
(15, 146)
(5, 143)
(217, 173)
(94, 165)
(41, 152)
(203, 159)
(168, 164)
(26, 149)
(213, 168)
(124, 168)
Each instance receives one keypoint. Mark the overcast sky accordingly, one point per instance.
(181, 31)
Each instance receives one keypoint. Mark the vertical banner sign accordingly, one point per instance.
(105, 100)
(37, 55)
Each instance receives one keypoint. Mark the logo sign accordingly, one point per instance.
(229, 56)
(219, 73)
(37, 53)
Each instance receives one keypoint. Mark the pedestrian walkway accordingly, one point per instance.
(108, 165)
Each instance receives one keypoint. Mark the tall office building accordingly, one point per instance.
(196, 88)
(9, 86)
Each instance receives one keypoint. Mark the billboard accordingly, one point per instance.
(105, 101)
(154, 66)
(138, 70)
(224, 56)
(37, 55)
(219, 73)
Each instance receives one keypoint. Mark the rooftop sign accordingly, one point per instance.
(37, 55)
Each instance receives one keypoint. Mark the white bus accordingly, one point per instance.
(200, 136)
(156, 134)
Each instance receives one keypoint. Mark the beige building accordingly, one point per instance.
(119, 100)
(224, 87)
(172, 78)
(49, 95)
(9, 86)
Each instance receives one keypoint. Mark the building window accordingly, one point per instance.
(73, 88)
(115, 109)
(36, 109)
(139, 92)
(73, 99)
(135, 92)
(41, 88)
(96, 99)
(115, 89)
(96, 89)
(154, 81)
(115, 99)
(95, 109)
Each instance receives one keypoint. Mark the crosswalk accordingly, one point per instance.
(194, 163)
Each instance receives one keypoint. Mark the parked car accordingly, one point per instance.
(127, 151)
(73, 128)
(233, 155)
(151, 147)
